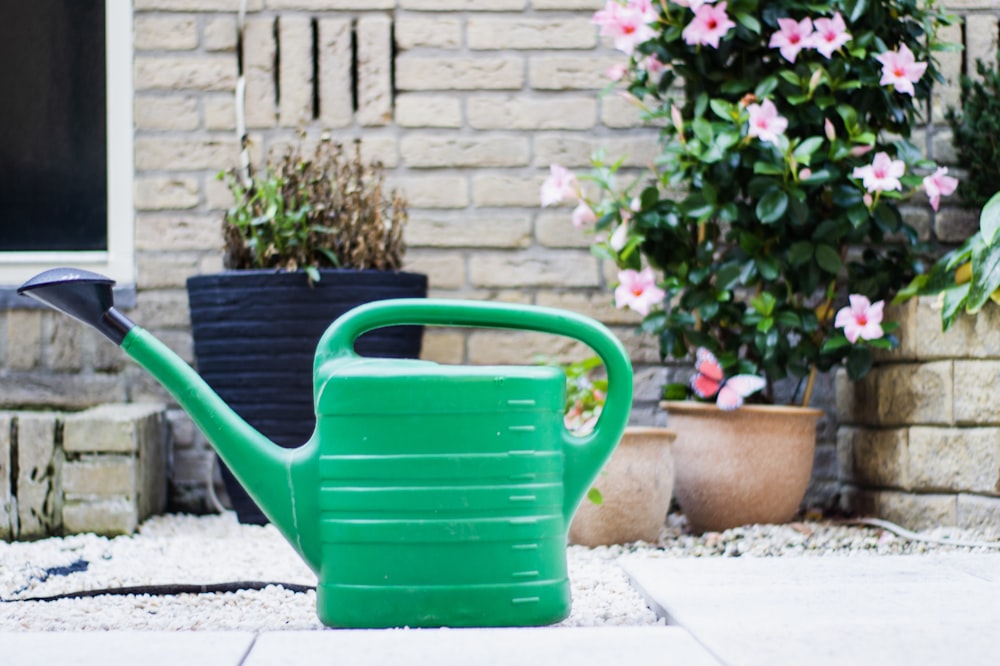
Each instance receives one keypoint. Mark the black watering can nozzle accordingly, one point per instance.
(83, 295)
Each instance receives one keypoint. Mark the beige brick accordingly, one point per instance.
(463, 5)
(163, 308)
(950, 66)
(569, 72)
(196, 5)
(622, 111)
(901, 394)
(443, 346)
(588, 5)
(428, 32)
(433, 191)
(975, 391)
(503, 189)
(969, 337)
(259, 51)
(428, 110)
(597, 304)
(459, 73)
(487, 347)
(528, 268)
(295, 71)
(24, 339)
(219, 33)
(185, 73)
(61, 390)
(166, 271)
(335, 106)
(918, 512)
(99, 476)
(980, 42)
(166, 112)
(955, 459)
(38, 469)
(109, 428)
(383, 149)
(374, 40)
(165, 33)
(549, 112)
(8, 508)
(64, 338)
(330, 5)
(444, 270)
(218, 196)
(155, 153)
(435, 150)
(103, 517)
(574, 150)
(485, 229)
(555, 229)
(871, 457)
(979, 513)
(178, 232)
(493, 33)
(163, 192)
(220, 112)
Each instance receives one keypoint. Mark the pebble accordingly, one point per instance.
(176, 549)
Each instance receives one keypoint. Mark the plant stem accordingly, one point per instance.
(807, 395)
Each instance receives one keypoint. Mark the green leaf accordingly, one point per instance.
(768, 168)
(703, 130)
(954, 303)
(772, 206)
(985, 276)
(764, 303)
(804, 151)
(594, 496)
(749, 21)
(767, 267)
(835, 343)
(989, 219)
(722, 109)
(828, 258)
(799, 253)
(859, 362)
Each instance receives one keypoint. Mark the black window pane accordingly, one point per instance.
(53, 138)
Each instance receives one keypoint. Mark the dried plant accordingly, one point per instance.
(325, 210)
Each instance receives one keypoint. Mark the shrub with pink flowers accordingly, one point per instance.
(771, 217)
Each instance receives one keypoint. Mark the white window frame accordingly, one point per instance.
(118, 262)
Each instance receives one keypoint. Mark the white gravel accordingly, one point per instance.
(177, 549)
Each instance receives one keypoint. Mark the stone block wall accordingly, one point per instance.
(100, 470)
(466, 102)
(919, 441)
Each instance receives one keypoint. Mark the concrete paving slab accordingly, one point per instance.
(635, 646)
(113, 648)
(908, 610)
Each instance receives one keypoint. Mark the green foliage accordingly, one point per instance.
(969, 275)
(760, 242)
(324, 210)
(976, 133)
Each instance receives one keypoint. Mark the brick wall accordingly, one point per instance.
(466, 102)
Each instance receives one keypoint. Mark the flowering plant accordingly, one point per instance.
(784, 157)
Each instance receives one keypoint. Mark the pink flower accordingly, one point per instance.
(765, 123)
(791, 37)
(653, 67)
(645, 8)
(619, 238)
(638, 290)
(900, 69)
(693, 5)
(882, 174)
(628, 25)
(583, 215)
(616, 72)
(862, 319)
(829, 130)
(559, 186)
(830, 35)
(709, 25)
(938, 185)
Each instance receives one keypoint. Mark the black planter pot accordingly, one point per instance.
(255, 333)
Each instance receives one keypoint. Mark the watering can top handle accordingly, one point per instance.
(583, 455)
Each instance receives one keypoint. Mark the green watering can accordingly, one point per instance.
(428, 495)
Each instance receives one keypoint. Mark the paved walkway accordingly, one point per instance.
(855, 611)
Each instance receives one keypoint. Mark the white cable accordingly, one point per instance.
(913, 536)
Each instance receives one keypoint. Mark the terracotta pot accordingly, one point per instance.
(636, 485)
(751, 465)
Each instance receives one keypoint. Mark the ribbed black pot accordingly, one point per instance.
(255, 334)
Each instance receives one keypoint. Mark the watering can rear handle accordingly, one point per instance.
(584, 454)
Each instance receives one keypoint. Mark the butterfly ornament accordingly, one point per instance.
(709, 381)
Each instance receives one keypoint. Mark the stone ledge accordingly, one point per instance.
(102, 470)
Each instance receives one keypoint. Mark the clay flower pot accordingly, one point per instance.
(636, 485)
(750, 465)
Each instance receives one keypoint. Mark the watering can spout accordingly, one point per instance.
(259, 464)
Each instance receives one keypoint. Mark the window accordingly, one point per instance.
(66, 138)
